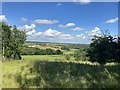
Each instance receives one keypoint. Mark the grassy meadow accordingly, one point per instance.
(49, 74)
(54, 71)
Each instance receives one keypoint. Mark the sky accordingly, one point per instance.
(61, 22)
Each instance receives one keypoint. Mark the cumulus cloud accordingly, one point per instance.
(78, 29)
(31, 32)
(49, 35)
(52, 35)
(67, 25)
(83, 1)
(27, 27)
(3, 18)
(45, 21)
(112, 20)
(96, 31)
(23, 19)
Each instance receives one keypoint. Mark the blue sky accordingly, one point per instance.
(62, 22)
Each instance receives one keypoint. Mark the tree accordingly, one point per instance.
(49, 51)
(102, 48)
(80, 54)
(116, 49)
(12, 41)
(58, 52)
(67, 48)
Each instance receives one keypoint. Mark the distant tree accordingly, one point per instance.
(77, 55)
(49, 51)
(103, 48)
(65, 48)
(80, 55)
(58, 52)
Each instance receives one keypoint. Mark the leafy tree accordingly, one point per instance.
(116, 49)
(104, 48)
(6, 40)
(12, 41)
(58, 52)
(49, 51)
(80, 55)
(65, 48)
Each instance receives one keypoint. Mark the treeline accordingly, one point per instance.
(78, 46)
(38, 51)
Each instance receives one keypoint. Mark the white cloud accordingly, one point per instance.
(96, 31)
(67, 25)
(45, 21)
(50, 35)
(83, 1)
(3, 18)
(27, 27)
(23, 19)
(59, 4)
(78, 29)
(112, 20)
(32, 32)
(54, 34)
(51, 32)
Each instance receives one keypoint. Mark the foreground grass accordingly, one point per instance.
(48, 74)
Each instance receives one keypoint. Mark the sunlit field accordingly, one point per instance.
(46, 57)
(45, 74)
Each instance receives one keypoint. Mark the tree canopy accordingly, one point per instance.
(104, 48)
(12, 41)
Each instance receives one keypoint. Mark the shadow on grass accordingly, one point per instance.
(47, 74)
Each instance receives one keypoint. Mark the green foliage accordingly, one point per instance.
(67, 48)
(12, 41)
(67, 57)
(104, 48)
(80, 55)
(38, 51)
(58, 52)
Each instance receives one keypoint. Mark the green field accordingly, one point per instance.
(45, 57)
(33, 72)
